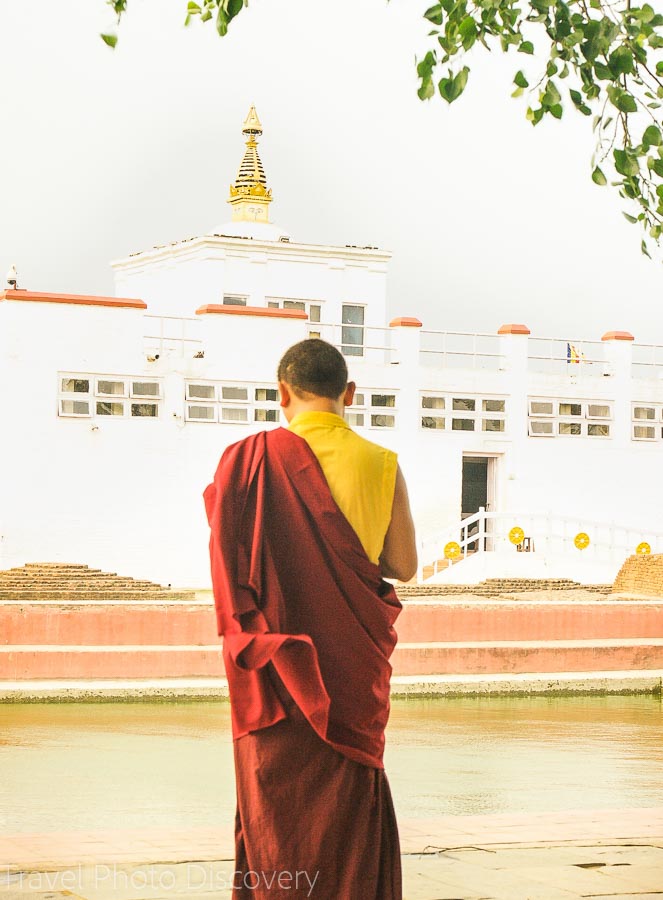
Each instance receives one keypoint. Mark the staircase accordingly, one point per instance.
(72, 629)
(69, 582)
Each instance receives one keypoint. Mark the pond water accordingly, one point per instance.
(71, 766)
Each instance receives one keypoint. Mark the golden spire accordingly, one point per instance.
(249, 195)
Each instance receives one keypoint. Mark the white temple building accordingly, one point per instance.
(548, 450)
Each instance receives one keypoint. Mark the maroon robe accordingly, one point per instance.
(307, 622)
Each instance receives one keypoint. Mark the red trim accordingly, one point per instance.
(514, 329)
(74, 299)
(405, 322)
(617, 336)
(251, 311)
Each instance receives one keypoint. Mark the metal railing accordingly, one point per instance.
(175, 335)
(545, 533)
(376, 346)
(647, 361)
(460, 350)
(552, 356)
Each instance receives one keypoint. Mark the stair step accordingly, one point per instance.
(25, 662)
(168, 621)
(517, 657)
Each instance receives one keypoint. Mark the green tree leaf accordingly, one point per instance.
(598, 177)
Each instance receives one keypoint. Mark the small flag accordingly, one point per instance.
(573, 355)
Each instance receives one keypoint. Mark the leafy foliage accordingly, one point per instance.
(600, 57)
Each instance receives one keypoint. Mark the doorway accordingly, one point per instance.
(478, 490)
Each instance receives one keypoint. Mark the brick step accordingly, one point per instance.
(151, 621)
(30, 596)
(405, 591)
(519, 657)
(80, 584)
(25, 662)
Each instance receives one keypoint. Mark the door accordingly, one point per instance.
(477, 491)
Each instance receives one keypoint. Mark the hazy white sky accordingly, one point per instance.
(489, 220)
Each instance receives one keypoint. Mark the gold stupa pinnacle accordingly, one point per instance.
(249, 195)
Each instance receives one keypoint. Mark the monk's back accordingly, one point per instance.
(361, 475)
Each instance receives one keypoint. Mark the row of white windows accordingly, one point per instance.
(584, 418)
(87, 395)
(647, 421)
(446, 412)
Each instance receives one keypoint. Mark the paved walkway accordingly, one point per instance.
(607, 854)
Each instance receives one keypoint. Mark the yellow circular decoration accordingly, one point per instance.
(581, 540)
(643, 549)
(516, 535)
(452, 550)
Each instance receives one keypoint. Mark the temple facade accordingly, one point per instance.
(524, 454)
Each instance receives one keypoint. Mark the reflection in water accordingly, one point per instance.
(71, 766)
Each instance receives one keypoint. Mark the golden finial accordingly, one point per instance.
(249, 195)
(252, 123)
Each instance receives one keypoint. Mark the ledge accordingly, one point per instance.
(74, 299)
(513, 329)
(220, 309)
(618, 336)
(405, 322)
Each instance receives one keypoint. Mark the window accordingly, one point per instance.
(231, 404)
(493, 405)
(116, 388)
(314, 312)
(352, 330)
(234, 300)
(234, 414)
(105, 396)
(481, 414)
(270, 394)
(200, 413)
(541, 428)
(432, 402)
(76, 385)
(650, 414)
(234, 393)
(570, 418)
(294, 304)
(104, 408)
(380, 421)
(355, 420)
(273, 304)
(432, 422)
(266, 415)
(150, 410)
(74, 407)
(145, 389)
(541, 408)
(200, 392)
(383, 400)
(358, 399)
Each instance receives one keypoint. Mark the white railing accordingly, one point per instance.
(545, 533)
(460, 350)
(376, 346)
(647, 361)
(552, 356)
(175, 335)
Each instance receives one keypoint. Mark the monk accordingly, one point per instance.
(306, 522)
